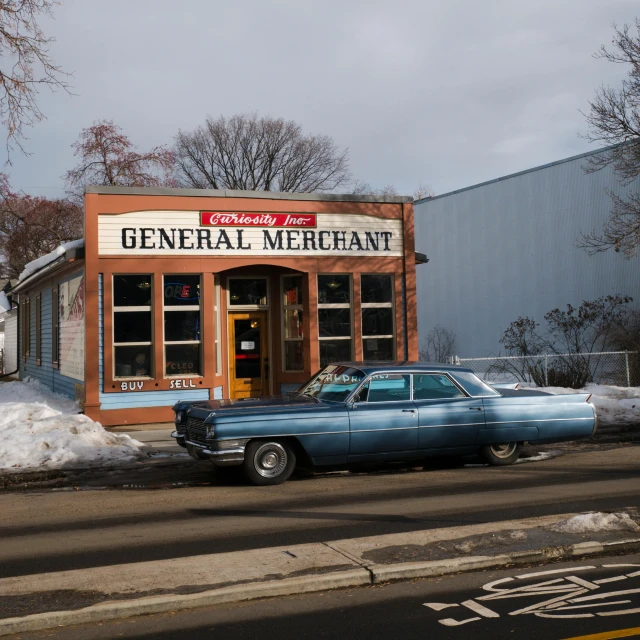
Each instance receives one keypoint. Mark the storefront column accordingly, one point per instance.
(357, 317)
(311, 342)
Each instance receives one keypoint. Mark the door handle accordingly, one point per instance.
(408, 410)
(476, 409)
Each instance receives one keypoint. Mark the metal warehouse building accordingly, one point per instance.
(507, 248)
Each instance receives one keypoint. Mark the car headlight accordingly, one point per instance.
(211, 432)
(179, 417)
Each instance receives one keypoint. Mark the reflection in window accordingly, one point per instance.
(378, 335)
(132, 320)
(292, 314)
(182, 325)
(387, 388)
(435, 386)
(334, 318)
(248, 292)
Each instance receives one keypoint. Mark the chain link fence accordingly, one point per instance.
(619, 368)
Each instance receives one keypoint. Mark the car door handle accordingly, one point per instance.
(409, 410)
(476, 409)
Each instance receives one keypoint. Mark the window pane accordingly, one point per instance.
(334, 351)
(132, 326)
(247, 291)
(378, 348)
(334, 290)
(334, 322)
(377, 322)
(434, 387)
(293, 323)
(389, 388)
(473, 385)
(132, 362)
(182, 359)
(293, 356)
(181, 290)
(132, 291)
(291, 290)
(376, 288)
(181, 325)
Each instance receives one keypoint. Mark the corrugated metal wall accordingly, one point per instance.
(506, 248)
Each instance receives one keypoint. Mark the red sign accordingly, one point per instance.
(232, 219)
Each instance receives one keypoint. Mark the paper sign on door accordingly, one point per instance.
(247, 346)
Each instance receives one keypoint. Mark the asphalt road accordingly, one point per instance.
(52, 531)
(573, 600)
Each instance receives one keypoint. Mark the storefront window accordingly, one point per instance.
(132, 322)
(292, 303)
(248, 292)
(216, 282)
(182, 325)
(378, 341)
(334, 318)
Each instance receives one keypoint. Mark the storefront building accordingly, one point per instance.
(195, 294)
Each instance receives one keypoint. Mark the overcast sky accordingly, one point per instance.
(444, 93)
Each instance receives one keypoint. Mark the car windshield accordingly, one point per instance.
(334, 383)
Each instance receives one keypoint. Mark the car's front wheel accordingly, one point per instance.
(268, 462)
(501, 453)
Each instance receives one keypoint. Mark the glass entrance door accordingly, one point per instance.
(248, 354)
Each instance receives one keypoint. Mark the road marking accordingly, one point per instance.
(609, 635)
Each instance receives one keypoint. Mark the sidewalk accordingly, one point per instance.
(29, 603)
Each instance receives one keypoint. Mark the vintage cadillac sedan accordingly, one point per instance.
(357, 412)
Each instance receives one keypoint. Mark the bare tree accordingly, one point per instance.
(360, 188)
(31, 227)
(27, 66)
(264, 154)
(423, 191)
(107, 157)
(439, 345)
(614, 119)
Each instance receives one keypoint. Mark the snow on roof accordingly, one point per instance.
(43, 261)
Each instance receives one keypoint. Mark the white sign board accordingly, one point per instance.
(176, 233)
(247, 346)
(72, 328)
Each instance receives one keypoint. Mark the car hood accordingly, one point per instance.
(288, 400)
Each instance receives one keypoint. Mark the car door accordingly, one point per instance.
(447, 417)
(383, 421)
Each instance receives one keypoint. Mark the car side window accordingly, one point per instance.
(387, 387)
(434, 386)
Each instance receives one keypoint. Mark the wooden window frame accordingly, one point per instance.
(337, 305)
(39, 329)
(284, 306)
(55, 327)
(380, 305)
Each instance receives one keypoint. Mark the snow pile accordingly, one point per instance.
(598, 521)
(43, 430)
(43, 261)
(614, 405)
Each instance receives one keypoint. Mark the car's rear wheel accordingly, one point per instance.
(268, 462)
(503, 453)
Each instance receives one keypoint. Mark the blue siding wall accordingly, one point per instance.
(136, 399)
(45, 373)
(507, 248)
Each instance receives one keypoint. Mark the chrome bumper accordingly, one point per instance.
(219, 457)
(179, 437)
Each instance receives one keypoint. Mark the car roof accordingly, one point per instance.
(370, 366)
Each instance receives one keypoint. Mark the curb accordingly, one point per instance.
(366, 576)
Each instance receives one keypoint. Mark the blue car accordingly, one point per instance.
(355, 412)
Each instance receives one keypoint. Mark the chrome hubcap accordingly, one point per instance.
(270, 460)
(504, 450)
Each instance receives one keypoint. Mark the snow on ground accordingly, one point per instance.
(43, 430)
(614, 405)
(598, 521)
